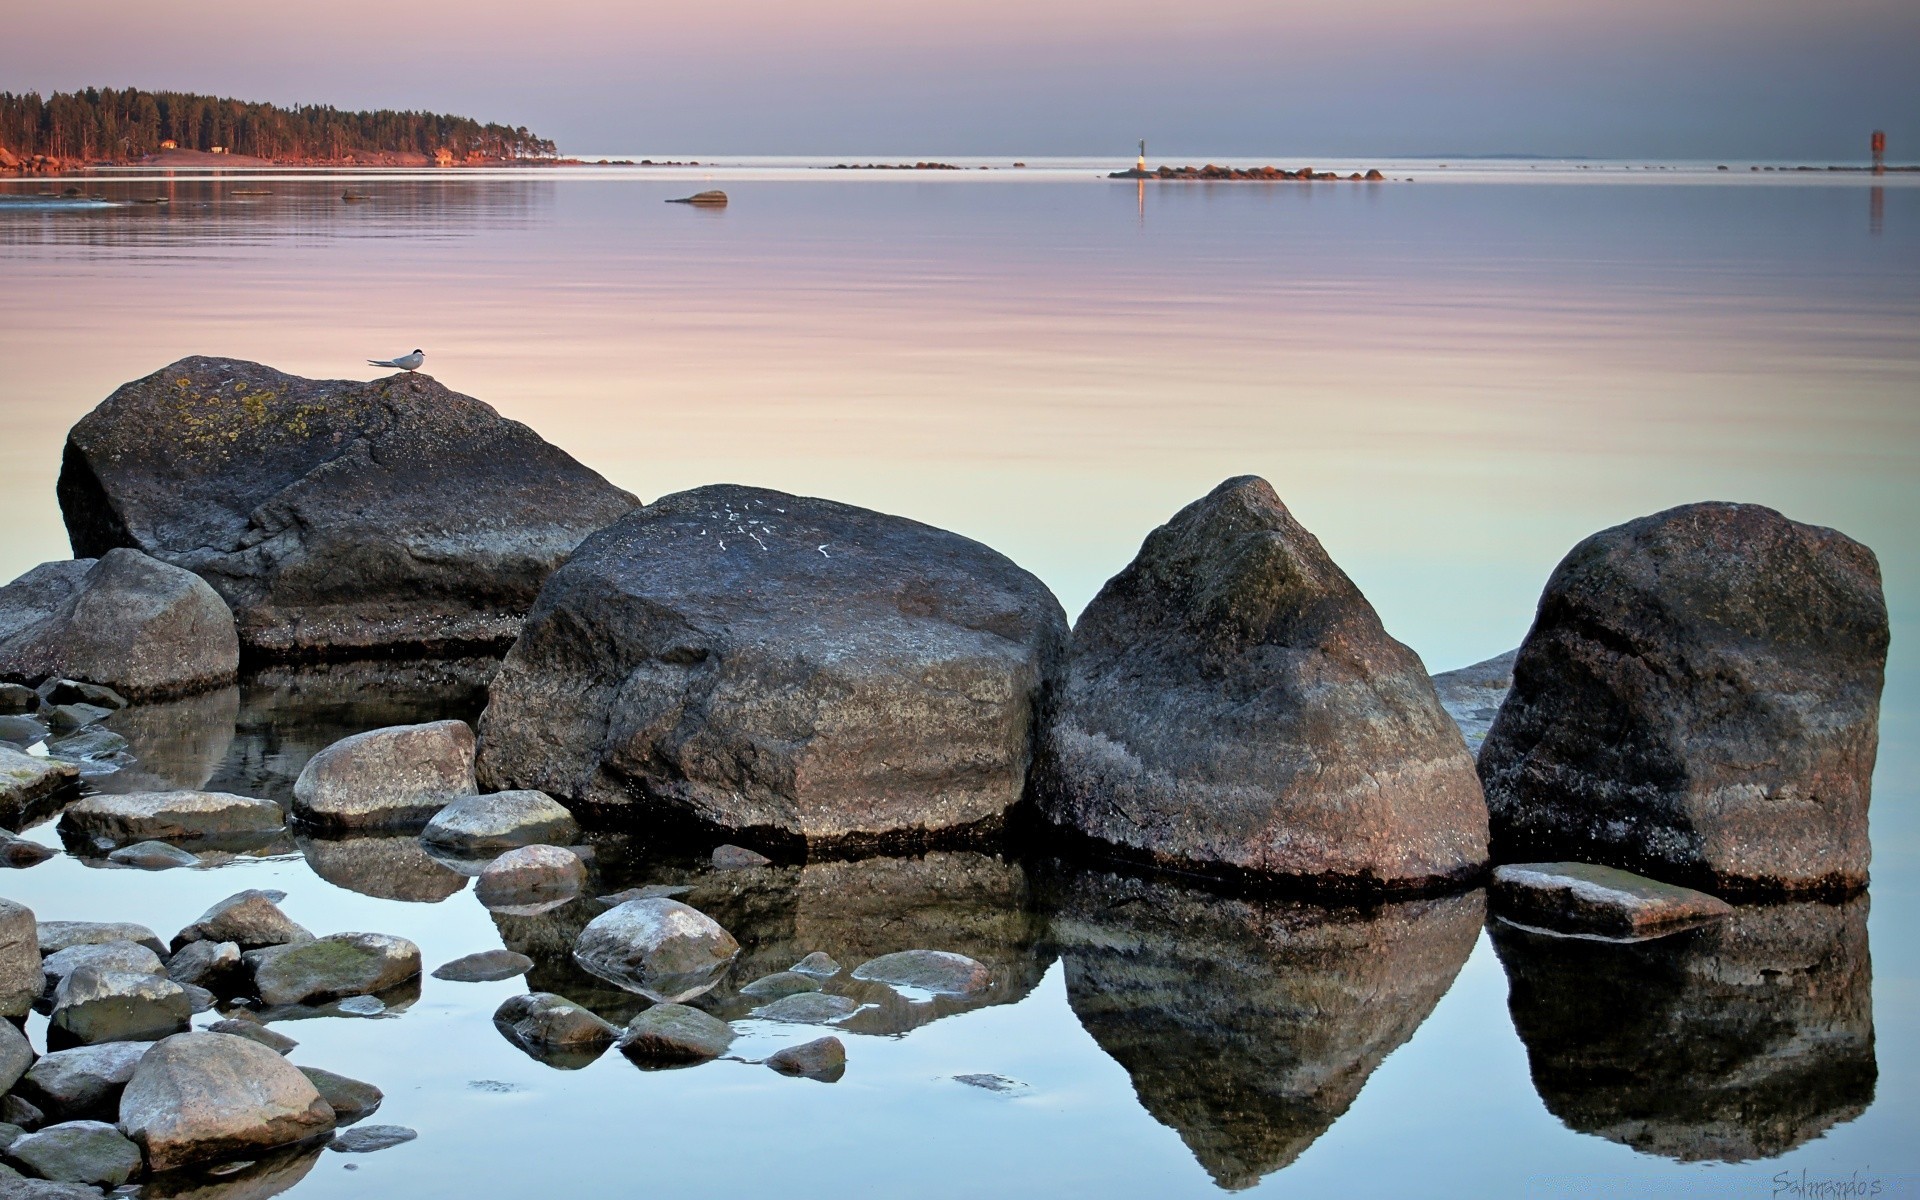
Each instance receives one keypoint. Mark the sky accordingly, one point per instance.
(1800, 80)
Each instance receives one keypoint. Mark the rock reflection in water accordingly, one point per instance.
(175, 744)
(1734, 1042)
(258, 1179)
(1250, 1025)
(386, 868)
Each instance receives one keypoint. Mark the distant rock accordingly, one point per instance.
(1698, 701)
(662, 949)
(83, 1082)
(816, 964)
(1472, 695)
(254, 1031)
(79, 691)
(20, 979)
(487, 966)
(530, 875)
(77, 1152)
(93, 1005)
(759, 661)
(708, 199)
(368, 1138)
(500, 821)
(205, 1096)
(211, 817)
(152, 856)
(143, 628)
(336, 517)
(251, 919)
(26, 780)
(387, 778)
(1234, 706)
(927, 971)
(674, 1033)
(328, 968)
(55, 936)
(824, 1059)
(1581, 897)
(350, 1099)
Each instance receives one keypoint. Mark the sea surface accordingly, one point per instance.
(1450, 377)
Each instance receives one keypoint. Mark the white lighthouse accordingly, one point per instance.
(1141, 166)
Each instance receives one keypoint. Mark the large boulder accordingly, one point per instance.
(661, 949)
(206, 1096)
(133, 623)
(20, 980)
(106, 821)
(1698, 701)
(386, 778)
(500, 821)
(1233, 706)
(759, 661)
(336, 517)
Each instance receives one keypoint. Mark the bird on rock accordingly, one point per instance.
(406, 362)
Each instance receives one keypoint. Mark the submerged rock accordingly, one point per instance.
(1473, 694)
(824, 1059)
(21, 981)
(779, 984)
(77, 1152)
(674, 1033)
(1581, 897)
(1233, 705)
(214, 818)
(328, 968)
(816, 964)
(83, 1082)
(662, 949)
(487, 966)
(205, 1096)
(152, 856)
(386, 778)
(1698, 700)
(927, 971)
(350, 1099)
(531, 874)
(368, 1138)
(808, 1008)
(93, 1005)
(26, 780)
(144, 628)
(18, 698)
(19, 852)
(250, 919)
(335, 517)
(781, 664)
(1290, 1006)
(1733, 1042)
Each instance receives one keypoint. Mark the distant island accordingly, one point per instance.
(105, 126)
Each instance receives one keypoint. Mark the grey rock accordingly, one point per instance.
(23, 852)
(340, 964)
(55, 936)
(204, 1096)
(386, 778)
(824, 1059)
(253, 1031)
(18, 698)
(554, 1029)
(485, 967)
(93, 1005)
(27, 600)
(131, 957)
(1233, 706)
(209, 817)
(350, 1099)
(92, 745)
(531, 874)
(779, 663)
(65, 718)
(336, 517)
(199, 999)
(21, 982)
(1473, 694)
(674, 1033)
(500, 821)
(152, 856)
(141, 627)
(387, 866)
(779, 984)
(83, 1082)
(651, 891)
(21, 732)
(18, 1113)
(212, 965)
(816, 964)
(1698, 701)
(363, 1006)
(999, 1084)
(1583, 898)
(16, 1055)
(368, 1138)
(250, 919)
(927, 971)
(735, 858)
(26, 780)
(77, 1152)
(44, 1189)
(9, 1134)
(662, 949)
(808, 1008)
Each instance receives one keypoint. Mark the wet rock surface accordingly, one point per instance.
(368, 1138)
(386, 778)
(531, 874)
(55, 936)
(1233, 705)
(807, 1008)
(484, 967)
(212, 965)
(350, 1099)
(554, 1029)
(1734, 1042)
(500, 821)
(131, 957)
(328, 968)
(201, 818)
(152, 856)
(1290, 1005)
(661, 949)
(26, 781)
(93, 1005)
(1698, 701)
(208, 1096)
(76, 1152)
(675, 1034)
(824, 1059)
(335, 517)
(387, 866)
(937, 971)
(791, 666)
(143, 628)
(1583, 898)
(253, 1031)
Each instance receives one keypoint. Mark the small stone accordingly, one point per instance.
(18, 698)
(488, 966)
(184, 816)
(251, 919)
(82, 1082)
(66, 718)
(77, 1152)
(529, 874)
(16, 1055)
(735, 858)
(253, 1031)
(199, 999)
(9, 1134)
(368, 1138)
(106, 956)
(22, 852)
(18, 1113)
(55, 936)
(361, 1006)
(44, 1189)
(1584, 898)
(350, 1099)
(544, 1019)
(21, 982)
(817, 964)
(674, 1033)
(991, 1083)
(808, 1008)
(27, 779)
(338, 965)
(779, 984)
(92, 745)
(212, 965)
(927, 971)
(74, 691)
(500, 821)
(152, 856)
(824, 1060)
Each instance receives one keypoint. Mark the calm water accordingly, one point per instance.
(1449, 380)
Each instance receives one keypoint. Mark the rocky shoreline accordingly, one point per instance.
(1215, 174)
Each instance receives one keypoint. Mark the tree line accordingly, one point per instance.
(105, 123)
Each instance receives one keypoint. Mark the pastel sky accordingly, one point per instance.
(1792, 79)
